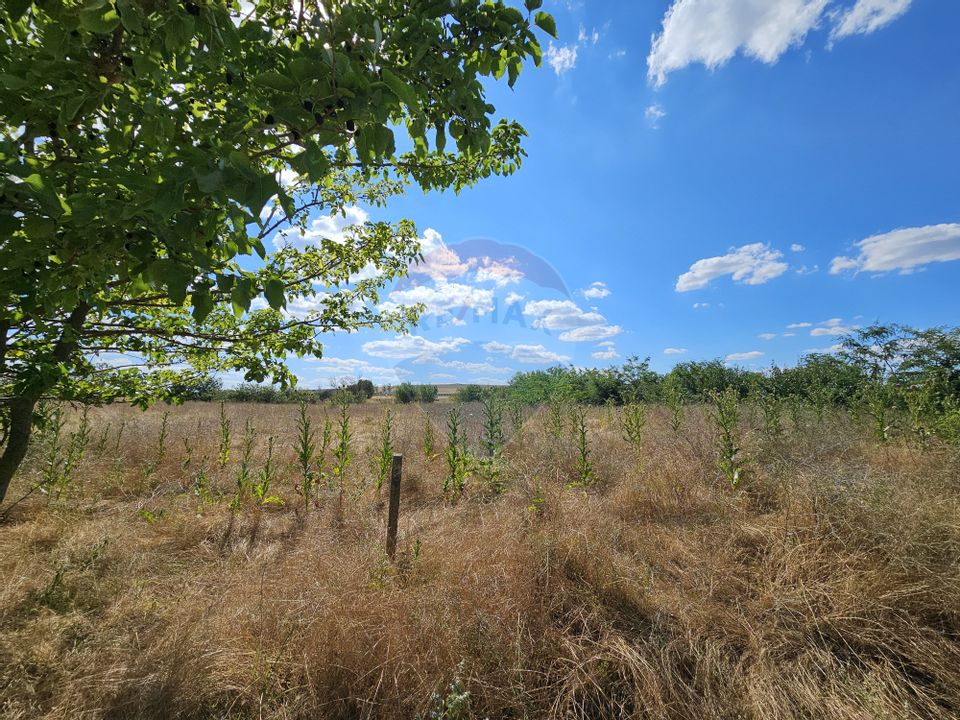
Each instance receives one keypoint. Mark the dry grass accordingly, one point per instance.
(828, 588)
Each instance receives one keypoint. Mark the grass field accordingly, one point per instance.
(827, 585)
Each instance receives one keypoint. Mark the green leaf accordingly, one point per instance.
(532, 5)
(545, 22)
(400, 88)
(273, 291)
(16, 8)
(275, 81)
(99, 20)
(202, 305)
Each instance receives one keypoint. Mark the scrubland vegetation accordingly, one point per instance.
(653, 560)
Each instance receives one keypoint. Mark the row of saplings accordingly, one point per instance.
(324, 452)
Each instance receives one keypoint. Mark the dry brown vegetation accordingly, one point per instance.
(828, 586)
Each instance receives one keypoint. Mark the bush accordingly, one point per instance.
(408, 393)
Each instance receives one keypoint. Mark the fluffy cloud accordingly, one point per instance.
(405, 347)
(561, 59)
(767, 336)
(824, 351)
(498, 272)
(674, 351)
(513, 298)
(866, 16)
(596, 291)
(903, 250)
(605, 351)
(701, 306)
(560, 315)
(752, 264)
(331, 227)
(527, 354)
(797, 247)
(591, 333)
(441, 298)
(469, 366)
(795, 326)
(439, 262)
(711, 32)
(742, 356)
(831, 327)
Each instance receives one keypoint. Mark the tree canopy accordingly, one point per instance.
(151, 149)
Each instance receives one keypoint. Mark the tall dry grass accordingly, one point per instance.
(828, 586)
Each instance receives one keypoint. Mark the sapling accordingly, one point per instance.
(384, 458)
(492, 441)
(341, 452)
(429, 439)
(726, 417)
(581, 443)
(265, 479)
(244, 470)
(305, 449)
(633, 420)
(674, 398)
(223, 452)
(456, 455)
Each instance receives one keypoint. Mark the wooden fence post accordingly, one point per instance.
(393, 511)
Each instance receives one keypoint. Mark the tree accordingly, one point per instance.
(149, 149)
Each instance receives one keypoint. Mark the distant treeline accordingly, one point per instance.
(882, 371)
(211, 389)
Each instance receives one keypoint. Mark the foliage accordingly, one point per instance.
(383, 460)
(581, 443)
(633, 420)
(305, 447)
(407, 393)
(456, 455)
(726, 418)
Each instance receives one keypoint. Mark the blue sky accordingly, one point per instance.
(734, 179)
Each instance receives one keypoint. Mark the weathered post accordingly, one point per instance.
(393, 510)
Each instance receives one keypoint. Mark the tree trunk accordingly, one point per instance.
(18, 439)
(22, 407)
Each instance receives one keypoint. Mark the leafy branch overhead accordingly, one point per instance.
(150, 150)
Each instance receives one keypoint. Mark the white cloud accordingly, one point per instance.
(795, 326)
(467, 366)
(742, 356)
(405, 347)
(790, 334)
(513, 298)
(797, 247)
(441, 298)
(828, 350)
(866, 16)
(499, 273)
(904, 250)
(439, 262)
(606, 354)
(596, 291)
(591, 333)
(711, 32)
(701, 306)
(674, 351)
(330, 227)
(654, 114)
(752, 264)
(560, 315)
(767, 336)
(831, 330)
(561, 59)
(592, 37)
(528, 354)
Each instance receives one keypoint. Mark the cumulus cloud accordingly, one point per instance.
(824, 351)
(743, 356)
(562, 59)
(752, 264)
(767, 336)
(605, 350)
(797, 247)
(596, 291)
(330, 227)
(798, 325)
(903, 250)
(866, 16)
(528, 354)
(674, 351)
(441, 298)
(701, 306)
(711, 32)
(591, 333)
(439, 261)
(577, 325)
(406, 347)
(500, 273)
(513, 298)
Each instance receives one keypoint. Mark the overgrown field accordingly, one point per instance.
(559, 562)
